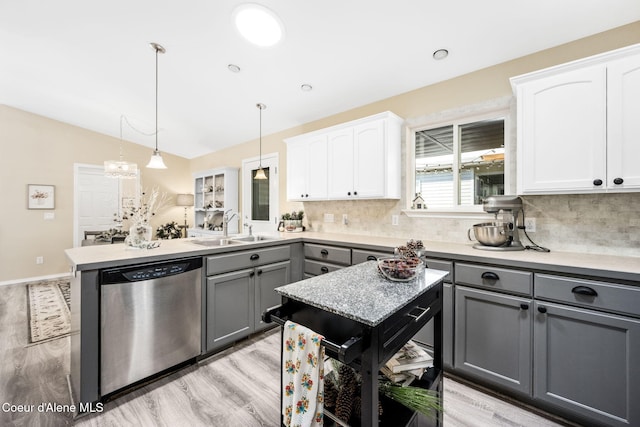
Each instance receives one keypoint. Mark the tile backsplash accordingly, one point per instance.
(590, 223)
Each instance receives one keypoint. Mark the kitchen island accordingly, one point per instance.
(365, 320)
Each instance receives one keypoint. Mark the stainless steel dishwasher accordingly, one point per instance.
(149, 320)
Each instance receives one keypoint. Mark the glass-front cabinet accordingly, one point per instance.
(216, 192)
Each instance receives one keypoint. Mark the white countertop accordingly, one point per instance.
(608, 266)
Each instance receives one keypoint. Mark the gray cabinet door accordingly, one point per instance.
(425, 335)
(588, 362)
(230, 307)
(493, 337)
(268, 278)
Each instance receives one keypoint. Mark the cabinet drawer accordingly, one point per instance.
(439, 264)
(246, 259)
(316, 268)
(361, 255)
(499, 279)
(328, 253)
(589, 293)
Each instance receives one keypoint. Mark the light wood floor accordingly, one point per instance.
(239, 387)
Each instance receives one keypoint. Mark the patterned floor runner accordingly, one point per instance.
(49, 310)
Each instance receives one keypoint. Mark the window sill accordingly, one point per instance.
(461, 213)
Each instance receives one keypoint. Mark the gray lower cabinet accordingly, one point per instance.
(321, 259)
(425, 335)
(235, 300)
(493, 337)
(230, 307)
(587, 362)
(267, 278)
(587, 348)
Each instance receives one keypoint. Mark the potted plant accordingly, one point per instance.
(170, 230)
(293, 221)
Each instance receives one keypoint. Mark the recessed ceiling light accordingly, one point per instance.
(440, 54)
(258, 25)
(306, 87)
(233, 68)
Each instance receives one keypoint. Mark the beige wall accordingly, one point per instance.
(42, 151)
(37, 150)
(566, 223)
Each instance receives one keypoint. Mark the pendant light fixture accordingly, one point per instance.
(120, 168)
(156, 161)
(260, 172)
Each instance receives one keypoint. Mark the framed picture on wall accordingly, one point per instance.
(41, 196)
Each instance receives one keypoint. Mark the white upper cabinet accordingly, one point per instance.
(359, 160)
(623, 130)
(576, 127)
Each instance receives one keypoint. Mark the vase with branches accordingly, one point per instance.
(139, 216)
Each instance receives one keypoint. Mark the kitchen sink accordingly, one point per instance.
(255, 238)
(215, 242)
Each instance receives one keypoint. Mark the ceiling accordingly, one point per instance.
(87, 63)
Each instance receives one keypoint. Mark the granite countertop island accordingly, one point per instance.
(360, 293)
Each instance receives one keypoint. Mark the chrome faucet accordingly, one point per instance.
(250, 228)
(225, 223)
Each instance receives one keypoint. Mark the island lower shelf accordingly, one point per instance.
(366, 348)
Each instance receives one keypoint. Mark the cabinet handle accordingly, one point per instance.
(618, 181)
(542, 310)
(254, 257)
(324, 269)
(371, 258)
(355, 193)
(584, 290)
(252, 274)
(597, 182)
(524, 306)
(324, 252)
(302, 196)
(490, 276)
(418, 317)
(349, 193)
(306, 195)
(259, 272)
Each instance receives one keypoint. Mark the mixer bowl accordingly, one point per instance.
(490, 233)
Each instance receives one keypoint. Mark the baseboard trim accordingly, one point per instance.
(34, 279)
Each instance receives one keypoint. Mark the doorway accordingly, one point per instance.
(97, 199)
(260, 198)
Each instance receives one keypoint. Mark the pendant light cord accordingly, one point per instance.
(261, 107)
(260, 161)
(156, 47)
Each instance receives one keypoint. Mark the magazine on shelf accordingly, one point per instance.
(411, 356)
(403, 378)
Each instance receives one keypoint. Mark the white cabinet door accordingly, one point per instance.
(340, 161)
(623, 103)
(562, 132)
(369, 160)
(307, 168)
(296, 170)
(316, 169)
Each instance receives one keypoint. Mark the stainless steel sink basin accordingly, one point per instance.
(214, 242)
(255, 238)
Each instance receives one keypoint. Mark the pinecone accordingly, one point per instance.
(346, 394)
(330, 393)
(357, 407)
(415, 244)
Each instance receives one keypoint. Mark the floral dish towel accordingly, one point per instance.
(302, 376)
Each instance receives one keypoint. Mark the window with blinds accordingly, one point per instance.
(461, 163)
